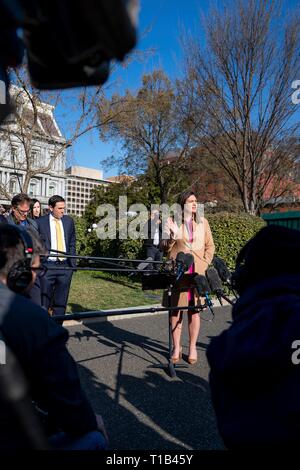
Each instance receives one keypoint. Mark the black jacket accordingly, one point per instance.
(70, 235)
(147, 232)
(254, 383)
(31, 222)
(39, 344)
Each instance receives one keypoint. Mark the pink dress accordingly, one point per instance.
(192, 268)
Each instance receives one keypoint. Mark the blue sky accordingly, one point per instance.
(163, 19)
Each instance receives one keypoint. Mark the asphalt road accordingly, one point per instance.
(121, 365)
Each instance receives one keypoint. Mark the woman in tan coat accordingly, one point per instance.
(192, 236)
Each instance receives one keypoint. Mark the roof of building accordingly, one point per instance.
(121, 179)
(84, 172)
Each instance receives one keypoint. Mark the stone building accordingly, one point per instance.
(38, 141)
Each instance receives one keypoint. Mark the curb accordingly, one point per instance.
(115, 317)
(68, 323)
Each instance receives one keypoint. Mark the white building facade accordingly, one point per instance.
(46, 144)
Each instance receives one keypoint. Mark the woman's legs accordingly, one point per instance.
(176, 323)
(194, 328)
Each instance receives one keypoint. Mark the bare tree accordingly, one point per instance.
(242, 78)
(154, 131)
(32, 125)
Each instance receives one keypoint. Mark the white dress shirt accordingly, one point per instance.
(52, 221)
(156, 236)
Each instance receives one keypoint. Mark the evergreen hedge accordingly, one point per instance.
(230, 232)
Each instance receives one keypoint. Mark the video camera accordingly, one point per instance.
(69, 43)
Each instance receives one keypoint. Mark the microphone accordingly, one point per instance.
(222, 269)
(179, 264)
(215, 282)
(216, 285)
(183, 263)
(203, 290)
(189, 260)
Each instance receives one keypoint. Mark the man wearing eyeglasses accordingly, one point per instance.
(2, 216)
(20, 207)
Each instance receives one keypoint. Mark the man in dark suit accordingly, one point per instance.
(57, 231)
(153, 231)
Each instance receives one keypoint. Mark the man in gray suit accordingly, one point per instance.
(20, 208)
(2, 216)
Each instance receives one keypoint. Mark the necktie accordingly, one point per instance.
(59, 238)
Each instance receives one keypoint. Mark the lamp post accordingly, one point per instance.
(93, 227)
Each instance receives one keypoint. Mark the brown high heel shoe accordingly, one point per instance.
(177, 358)
(192, 361)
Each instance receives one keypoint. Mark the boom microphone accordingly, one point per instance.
(203, 290)
(216, 285)
(222, 269)
(189, 260)
(202, 285)
(183, 263)
(215, 282)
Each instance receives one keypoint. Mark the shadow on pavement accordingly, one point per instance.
(142, 406)
(154, 413)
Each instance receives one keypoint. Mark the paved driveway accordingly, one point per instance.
(120, 364)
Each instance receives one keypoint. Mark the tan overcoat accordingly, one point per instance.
(202, 248)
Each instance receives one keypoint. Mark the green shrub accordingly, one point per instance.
(231, 232)
(88, 244)
(85, 241)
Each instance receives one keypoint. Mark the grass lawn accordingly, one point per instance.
(94, 290)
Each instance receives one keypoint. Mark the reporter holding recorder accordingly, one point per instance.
(193, 236)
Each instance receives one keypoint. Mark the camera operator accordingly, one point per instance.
(255, 383)
(153, 229)
(39, 344)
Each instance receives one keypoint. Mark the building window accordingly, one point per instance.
(13, 186)
(33, 186)
(34, 157)
(52, 189)
(14, 153)
(53, 159)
